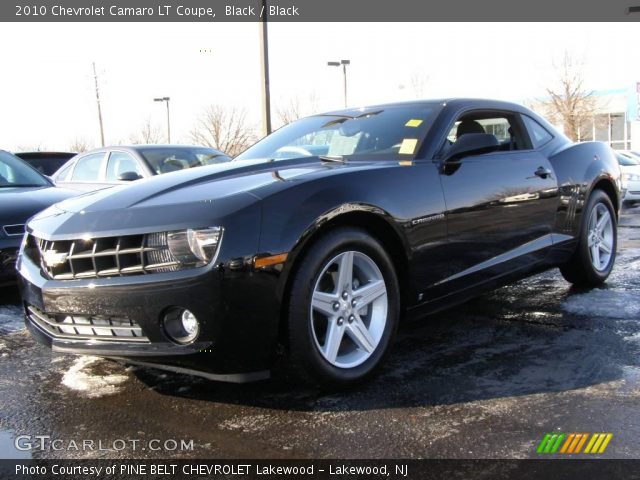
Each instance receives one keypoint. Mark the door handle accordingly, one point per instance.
(543, 172)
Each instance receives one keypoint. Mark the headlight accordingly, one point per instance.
(631, 177)
(195, 247)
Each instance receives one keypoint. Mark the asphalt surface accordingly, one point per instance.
(484, 380)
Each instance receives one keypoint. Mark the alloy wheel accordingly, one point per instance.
(600, 237)
(348, 310)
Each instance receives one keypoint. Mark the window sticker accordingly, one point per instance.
(408, 146)
(414, 122)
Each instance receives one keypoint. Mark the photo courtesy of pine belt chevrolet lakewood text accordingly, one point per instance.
(319, 239)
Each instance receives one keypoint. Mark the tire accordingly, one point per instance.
(584, 269)
(318, 311)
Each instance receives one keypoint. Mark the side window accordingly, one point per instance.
(503, 126)
(88, 168)
(537, 133)
(64, 174)
(119, 163)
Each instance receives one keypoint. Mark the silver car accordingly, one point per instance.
(109, 166)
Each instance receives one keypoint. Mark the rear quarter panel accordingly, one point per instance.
(579, 167)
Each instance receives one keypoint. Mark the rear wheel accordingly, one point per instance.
(593, 260)
(344, 308)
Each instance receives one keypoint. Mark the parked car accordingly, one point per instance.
(320, 238)
(632, 154)
(23, 193)
(109, 166)
(47, 163)
(630, 168)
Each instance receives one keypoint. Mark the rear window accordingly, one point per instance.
(537, 133)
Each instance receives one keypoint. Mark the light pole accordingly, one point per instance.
(344, 64)
(166, 99)
(264, 63)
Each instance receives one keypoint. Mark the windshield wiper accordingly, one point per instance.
(332, 158)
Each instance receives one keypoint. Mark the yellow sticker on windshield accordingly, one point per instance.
(408, 146)
(414, 122)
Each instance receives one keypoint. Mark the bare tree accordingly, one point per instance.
(80, 145)
(148, 134)
(295, 108)
(418, 82)
(569, 103)
(28, 147)
(223, 128)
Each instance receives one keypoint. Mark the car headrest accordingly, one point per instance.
(469, 126)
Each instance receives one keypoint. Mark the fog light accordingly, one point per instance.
(181, 325)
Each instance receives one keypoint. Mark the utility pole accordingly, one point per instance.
(95, 78)
(264, 61)
(166, 99)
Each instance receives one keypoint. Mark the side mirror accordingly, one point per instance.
(472, 144)
(128, 177)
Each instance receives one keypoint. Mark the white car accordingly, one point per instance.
(630, 168)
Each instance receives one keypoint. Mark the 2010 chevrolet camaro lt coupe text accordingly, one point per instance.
(320, 238)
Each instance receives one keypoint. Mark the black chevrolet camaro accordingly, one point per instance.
(320, 238)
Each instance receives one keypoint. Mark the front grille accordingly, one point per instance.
(102, 257)
(14, 230)
(83, 327)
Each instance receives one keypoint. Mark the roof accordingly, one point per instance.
(454, 101)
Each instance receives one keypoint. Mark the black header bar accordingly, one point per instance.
(320, 11)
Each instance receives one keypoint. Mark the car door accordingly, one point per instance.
(500, 205)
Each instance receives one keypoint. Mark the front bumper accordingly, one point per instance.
(237, 335)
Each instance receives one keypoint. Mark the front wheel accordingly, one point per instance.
(593, 260)
(344, 308)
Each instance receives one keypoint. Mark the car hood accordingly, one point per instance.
(634, 169)
(202, 184)
(18, 204)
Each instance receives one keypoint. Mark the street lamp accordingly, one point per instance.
(166, 99)
(344, 64)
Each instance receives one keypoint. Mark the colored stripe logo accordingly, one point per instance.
(573, 443)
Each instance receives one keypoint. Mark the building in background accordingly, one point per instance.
(616, 118)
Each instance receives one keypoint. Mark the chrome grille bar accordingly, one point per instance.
(104, 256)
(83, 327)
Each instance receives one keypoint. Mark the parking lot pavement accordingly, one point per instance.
(484, 380)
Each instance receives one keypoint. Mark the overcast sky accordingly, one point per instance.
(47, 97)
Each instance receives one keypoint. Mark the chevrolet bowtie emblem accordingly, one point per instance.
(53, 258)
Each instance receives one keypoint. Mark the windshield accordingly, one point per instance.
(384, 133)
(164, 160)
(15, 173)
(626, 161)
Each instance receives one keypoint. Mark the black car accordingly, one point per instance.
(23, 193)
(320, 238)
(117, 165)
(47, 163)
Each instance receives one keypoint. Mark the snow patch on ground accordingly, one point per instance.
(92, 384)
(11, 319)
(605, 303)
(247, 423)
